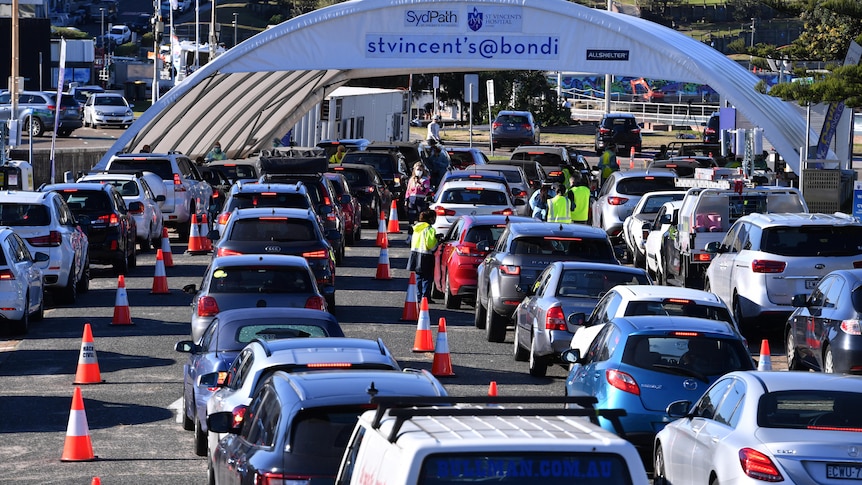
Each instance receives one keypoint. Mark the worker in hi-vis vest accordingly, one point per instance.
(560, 207)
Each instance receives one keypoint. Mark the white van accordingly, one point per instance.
(421, 441)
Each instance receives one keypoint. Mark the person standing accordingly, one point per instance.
(539, 202)
(560, 207)
(216, 153)
(438, 163)
(608, 163)
(422, 246)
(338, 157)
(434, 130)
(581, 198)
(418, 187)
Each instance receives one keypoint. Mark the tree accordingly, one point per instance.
(842, 84)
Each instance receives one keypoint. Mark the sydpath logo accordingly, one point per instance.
(430, 18)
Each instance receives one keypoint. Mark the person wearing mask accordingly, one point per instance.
(560, 207)
(216, 153)
(608, 163)
(438, 163)
(580, 196)
(539, 202)
(338, 157)
(434, 130)
(418, 187)
(422, 246)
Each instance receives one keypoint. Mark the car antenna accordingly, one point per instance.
(372, 391)
(561, 226)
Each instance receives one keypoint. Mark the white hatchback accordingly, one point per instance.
(21, 295)
(637, 226)
(459, 198)
(108, 109)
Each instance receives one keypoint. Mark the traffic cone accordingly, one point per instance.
(381, 230)
(88, 363)
(205, 229)
(393, 218)
(77, 446)
(383, 262)
(632, 158)
(96, 481)
(492, 389)
(166, 249)
(765, 362)
(411, 310)
(442, 365)
(196, 245)
(122, 316)
(422, 341)
(160, 280)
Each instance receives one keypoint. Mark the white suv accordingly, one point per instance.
(45, 223)
(765, 259)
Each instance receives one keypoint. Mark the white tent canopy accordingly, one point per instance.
(258, 90)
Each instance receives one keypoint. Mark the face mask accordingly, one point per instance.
(217, 149)
(418, 173)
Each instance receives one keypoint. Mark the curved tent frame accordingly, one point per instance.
(258, 90)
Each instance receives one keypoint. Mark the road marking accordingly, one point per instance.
(178, 406)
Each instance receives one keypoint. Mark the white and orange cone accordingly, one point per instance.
(765, 362)
(411, 308)
(196, 244)
(632, 158)
(393, 218)
(422, 342)
(492, 389)
(383, 261)
(442, 364)
(122, 315)
(160, 280)
(77, 446)
(205, 229)
(381, 230)
(88, 362)
(166, 249)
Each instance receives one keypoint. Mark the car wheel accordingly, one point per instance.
(68, 294)
(40, 312)
(188, 423)
(84, 282)
(350, 238)
(538, 363)
(659, 477)
(521, 354)
(452, 302)
(358, 231)
(133, 258)
(200, 439)
(495, 325)
(828, 361)
(64, 133)
(435, 293)
(639, 259)
(660, 276)
(183, 231)
(20, 327)
(146, 243)
(479, 315)
(737, 311)
(121, 265)
(790, 348)
(35, 126)
(330, 303)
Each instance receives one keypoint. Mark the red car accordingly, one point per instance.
(349, 206)
(457, 255)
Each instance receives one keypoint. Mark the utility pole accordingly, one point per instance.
(213, 40)
(235, 15)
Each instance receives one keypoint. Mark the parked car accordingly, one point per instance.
(766, 259)
(521, 253)
(620, 131)
(391, 166)
(350, 207)
(281, 231)
(458, 255)
(533, 170)
(552, 158)
(711, 130)
(542, 331)
(46, 224)
(119, 34)
(368, 187)
(257, 195)
(229, 332)
(136, 188)
(110, 227)
(514, 128)
(36, 110)
(620, 194)
(457, 198)
(636, 227)
(235, 170)
(763, 427)
(410, 150)
(644, 363)
(666, 218)
(683, 167)
(21, 287)
(823, 333)
(463, 157)
(517, 181)
(107, 109)
(82, 92)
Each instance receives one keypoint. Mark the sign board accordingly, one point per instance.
(436, 82)
(490, 87)
(471, 88)
(857, 199)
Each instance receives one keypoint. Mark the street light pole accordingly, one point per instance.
(235, 15)
(213, 31)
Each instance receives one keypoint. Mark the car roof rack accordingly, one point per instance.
(403, 408)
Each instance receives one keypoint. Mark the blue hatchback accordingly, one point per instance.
(643, 363)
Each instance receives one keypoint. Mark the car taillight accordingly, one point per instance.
(702, 257)
(635, 130)
(6, 274)
(370, 190)
(617, 200)
(227, 252)
(555, 319)
(315, 303)
(504, 212)
(857, 264)
(319, 254)
(510, 269)
(467, 250)
(53, 239)
(223, 217)
(272, 478)
(623, 381)
(709, 131)
(767, 266)
(604, 131)
(140, 210)
(496, 125)
(758, 466)
(110, 219)
(442, 211)
(528, 127)
(850, 327)
(178, 184)
(207, 306)
(238, 416)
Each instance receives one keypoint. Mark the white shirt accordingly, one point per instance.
(433, 130)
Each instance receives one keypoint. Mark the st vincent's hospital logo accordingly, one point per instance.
(474, 20)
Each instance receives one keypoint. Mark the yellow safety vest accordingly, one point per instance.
(558, 209)
(581, 212)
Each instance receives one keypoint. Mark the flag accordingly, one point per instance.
(58, 105)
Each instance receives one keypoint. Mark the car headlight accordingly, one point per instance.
(129, 112)
(99, 113)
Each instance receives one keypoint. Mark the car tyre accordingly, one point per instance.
(538, 363)
(792, 355)
(452, 302)
(828, 361)
(84, 283)
(68, 294)
(133, 258)
(521, 354)
(201, 445)
(495, 325)
(188, 423)
(20, 327)
(737, 311)
(479, 315)
(35, 126)
(64, 133)
(39, 314)
(659, 477)
(121, 265)
(638, 259)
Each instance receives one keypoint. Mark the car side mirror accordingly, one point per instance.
(714, 247)
(577, 318)
(223, 422)
(571, 356)
(333, 235)
(41, 257)
(212, 379)
(665, 219)
(344, 199)
(136, 208)
(160, 198)
(799, 301)
(324, 210)
(483, 246)
(190, 289)
(213, 235)
(529, 291)
(678, 409)
(186, 346)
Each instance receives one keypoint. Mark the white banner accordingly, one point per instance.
(58, 105)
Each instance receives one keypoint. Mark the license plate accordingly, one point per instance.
(846, 471)
(810, 284)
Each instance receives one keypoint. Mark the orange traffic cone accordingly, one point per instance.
(196, 244)
(88, 363)
(765, 362)
(166, 249)
(383, 262)
(205, 229)
(632, 158)
(492, 389)
(160, 280)
(77, 446)
(96, 481)
(442, 365)
(422, 341)
(381, 230)
(122, 316)
(411, 310)
(393, 218)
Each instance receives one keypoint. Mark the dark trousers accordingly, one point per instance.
(423, 287)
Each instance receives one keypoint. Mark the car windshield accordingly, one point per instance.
(642, 185)
(813, 240)
(159, 166)
(679, 307)
(810, 409)
(24, 214)
(475, 196)
(686, 353)
(261, 279)
(276, 228)
(267, 199)
(588, 283)
(577, 248)
(109, 101)
(381, 161)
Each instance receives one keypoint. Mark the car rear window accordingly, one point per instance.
(234, 172)
(261, 279)
(160, 167)
(322, 433)
(576, 248)
(810, 409)
(590, 283)
(126, 188)
(461, 160)
(512, 119)
(381, 161)
(356, 178)
(479, 196)
(686, 353)
(491, 234)
(544, 159)
(642, 185)
(549, 468)
(813, 240)
(280, 229)
(273, 331)
(87, 201)
(269, 199)
(654, 203)
(24, 215)
(679, 307)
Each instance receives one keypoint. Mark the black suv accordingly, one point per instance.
(712, 130)
(392, 167)
(618, 130)
(368, 187)
(110, 227)
(521, 253)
